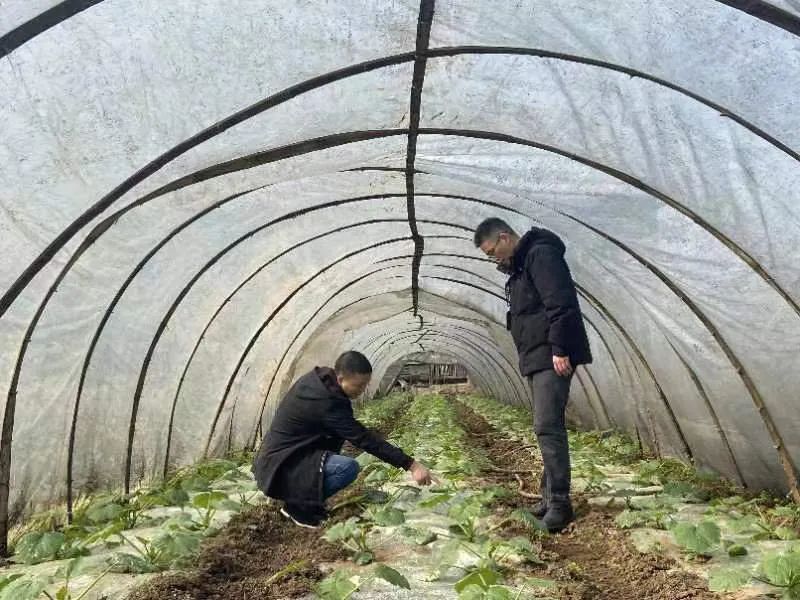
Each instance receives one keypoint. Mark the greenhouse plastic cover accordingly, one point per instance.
(202, 199)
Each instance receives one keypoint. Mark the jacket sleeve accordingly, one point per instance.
(553, 281)
(340, 421)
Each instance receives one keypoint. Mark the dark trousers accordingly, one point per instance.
(550, 395)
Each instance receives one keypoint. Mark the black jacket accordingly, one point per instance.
(313, 419)
(544, 316)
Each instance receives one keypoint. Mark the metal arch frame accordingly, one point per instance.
(163, 242)
(493, 383)
(61, 12)
(302, 329)
(790, 468)
(508, 369)
(165, 320)
(40, 23)
(330, 298)
(467, 353)
(288, 93)
(591, 299)
(293, 150)
(424, 22)
(467, 347)
(274, 375)
(786, 460)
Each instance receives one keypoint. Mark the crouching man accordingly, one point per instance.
(299, 461)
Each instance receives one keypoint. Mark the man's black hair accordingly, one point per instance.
(490, 229)
(352, 363)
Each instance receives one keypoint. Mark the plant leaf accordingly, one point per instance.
(727, 580)
(482, 578)
(392, 576)
(697, 539)
(34, 548)
(786, 533)
(176, 496)
(24, 588)
(104, 512)
(337, 586)
(122, 562)
(435, 500)
(472, 592)
(206, 500)
(72, 569)
(6, 581)
(420, 537)
(498, 592)
(782, 569)
(388, 516)
(364, 557)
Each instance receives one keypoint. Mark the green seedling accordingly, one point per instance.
(341, 585)
(352, 535)
(697, 540)
(782, 571)
(73, 569)
(35, 548)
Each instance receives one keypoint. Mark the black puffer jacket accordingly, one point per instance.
(313, 419)
(544, 317)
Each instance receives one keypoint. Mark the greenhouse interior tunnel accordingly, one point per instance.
(204, 200)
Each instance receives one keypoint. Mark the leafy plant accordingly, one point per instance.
(386, 516)
(686, 491)
(670, 471)
(72, 569)
(727, 579)
(380, 472)
(419, 536)
(657, 518)
(352, 536)
(36, 547)
(481, 577)
(698, 540)
(782, 571)
(21, 587)
(340, 585)
(208, 503)
(436, 498)
(170, 549)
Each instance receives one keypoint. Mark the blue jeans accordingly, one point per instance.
(339, 472)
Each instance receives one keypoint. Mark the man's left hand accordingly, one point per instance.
(562, 365)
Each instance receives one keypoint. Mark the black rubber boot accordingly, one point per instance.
(558, 516)
(539, 509)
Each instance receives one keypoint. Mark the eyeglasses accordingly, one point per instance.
(491, 251)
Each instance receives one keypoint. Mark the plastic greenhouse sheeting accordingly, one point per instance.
(201, 199)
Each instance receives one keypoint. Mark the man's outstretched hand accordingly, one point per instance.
(420, 473)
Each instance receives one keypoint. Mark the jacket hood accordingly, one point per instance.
(535, 237)
(319, 384)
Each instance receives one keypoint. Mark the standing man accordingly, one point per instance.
(545, 321)
(299, 460)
